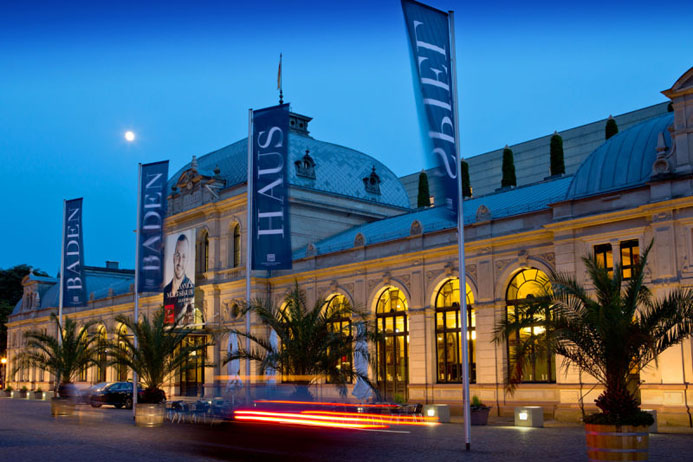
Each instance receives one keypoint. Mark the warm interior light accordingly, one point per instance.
(522, 415)
(431, 412)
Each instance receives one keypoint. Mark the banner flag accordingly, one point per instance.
(429, 41)
(270, 223)
(72, 273)
(152, 202)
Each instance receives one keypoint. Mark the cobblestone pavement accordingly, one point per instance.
(28, 433)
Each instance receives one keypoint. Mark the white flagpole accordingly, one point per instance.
(249, 247)
(137, 280)
(460, 239)
(62, 276)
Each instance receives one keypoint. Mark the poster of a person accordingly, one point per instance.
(179, 270)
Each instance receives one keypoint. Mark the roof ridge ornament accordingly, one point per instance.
(372, 182)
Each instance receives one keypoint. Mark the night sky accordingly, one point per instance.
(75, 76)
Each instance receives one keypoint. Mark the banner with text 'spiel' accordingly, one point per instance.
(429, 42)
(153, 179)
(72, 272)
(270, 223)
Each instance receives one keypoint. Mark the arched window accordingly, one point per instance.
(203, 252)
(236, 260)
(393, 345)
(448, 330)
(336, 308)
(528, 284)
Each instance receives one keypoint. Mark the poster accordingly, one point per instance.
(179, 275)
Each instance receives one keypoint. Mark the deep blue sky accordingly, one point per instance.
(75, 76)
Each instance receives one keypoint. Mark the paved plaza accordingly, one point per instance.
(29, 433)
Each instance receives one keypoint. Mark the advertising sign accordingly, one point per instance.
(151, 226)
(179, 271)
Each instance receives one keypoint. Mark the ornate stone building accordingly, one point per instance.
(356, 236)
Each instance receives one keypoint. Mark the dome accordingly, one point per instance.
(338, 170)
(623, 161)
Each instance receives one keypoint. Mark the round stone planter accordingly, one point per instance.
(617, 442)
(62, 407)
(150, 415)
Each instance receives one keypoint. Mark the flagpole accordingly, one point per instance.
(137, 280)
(249, 247)
(460, 240)
(62, 276)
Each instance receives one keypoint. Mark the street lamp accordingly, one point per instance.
(3, 362)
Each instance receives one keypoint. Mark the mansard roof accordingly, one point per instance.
(338, 170)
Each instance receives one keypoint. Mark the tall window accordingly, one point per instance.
(604, 257)
(102, 358)
(393, 345)
(448, 333)
(630, 256)
(528, 284)
(203, 253)
(335, 307)
(237, 246)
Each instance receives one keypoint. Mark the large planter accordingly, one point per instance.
(617, 442)
(479, 416)
(60, 407)
(149, 415)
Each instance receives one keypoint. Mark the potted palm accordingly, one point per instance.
(62, 358)
(8, 391)
(155, 352)
(608, 330)
(479, 411)
(308, 347)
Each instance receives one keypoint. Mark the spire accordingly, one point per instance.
(279, 80)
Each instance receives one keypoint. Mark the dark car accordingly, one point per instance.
(85, 393)
(119, 394)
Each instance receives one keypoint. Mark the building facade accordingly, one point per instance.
(355, 235)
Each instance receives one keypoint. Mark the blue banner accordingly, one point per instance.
(271, 235)
(152, 202)
(72, 272)
(429, 40)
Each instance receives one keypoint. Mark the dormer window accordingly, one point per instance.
(372, 183)
(306, 166)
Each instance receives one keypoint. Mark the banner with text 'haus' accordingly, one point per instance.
(429, 40)
(270, 214)
(72, 273)
(153, 179)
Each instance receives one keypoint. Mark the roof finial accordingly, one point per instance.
(279, 80)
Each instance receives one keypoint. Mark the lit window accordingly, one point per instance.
(604, 257)
(630, 256)
(337, 308)
(448, 338)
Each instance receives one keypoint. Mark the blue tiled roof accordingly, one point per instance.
(338, 170)
(502, 204)
(623, 161)
(98, 282)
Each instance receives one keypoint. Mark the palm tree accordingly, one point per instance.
(159, 353)
(610, 331)
(63, 359)
(310, 347)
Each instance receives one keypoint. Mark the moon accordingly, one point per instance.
(130, 136)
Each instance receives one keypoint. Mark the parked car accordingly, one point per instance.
(85, 393)
(119, 394)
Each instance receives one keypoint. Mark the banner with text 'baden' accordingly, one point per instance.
(153, 179)
(72, 273)
(270, 223)
(428, 30)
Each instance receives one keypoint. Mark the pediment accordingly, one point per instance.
(684, 85)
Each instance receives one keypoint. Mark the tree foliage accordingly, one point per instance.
(63, 359)
(608, 331)
(466, 184)
(557, 161)
(611, 128)
(508, 168)
(160, 352)
(308, 347)
(424, 197)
